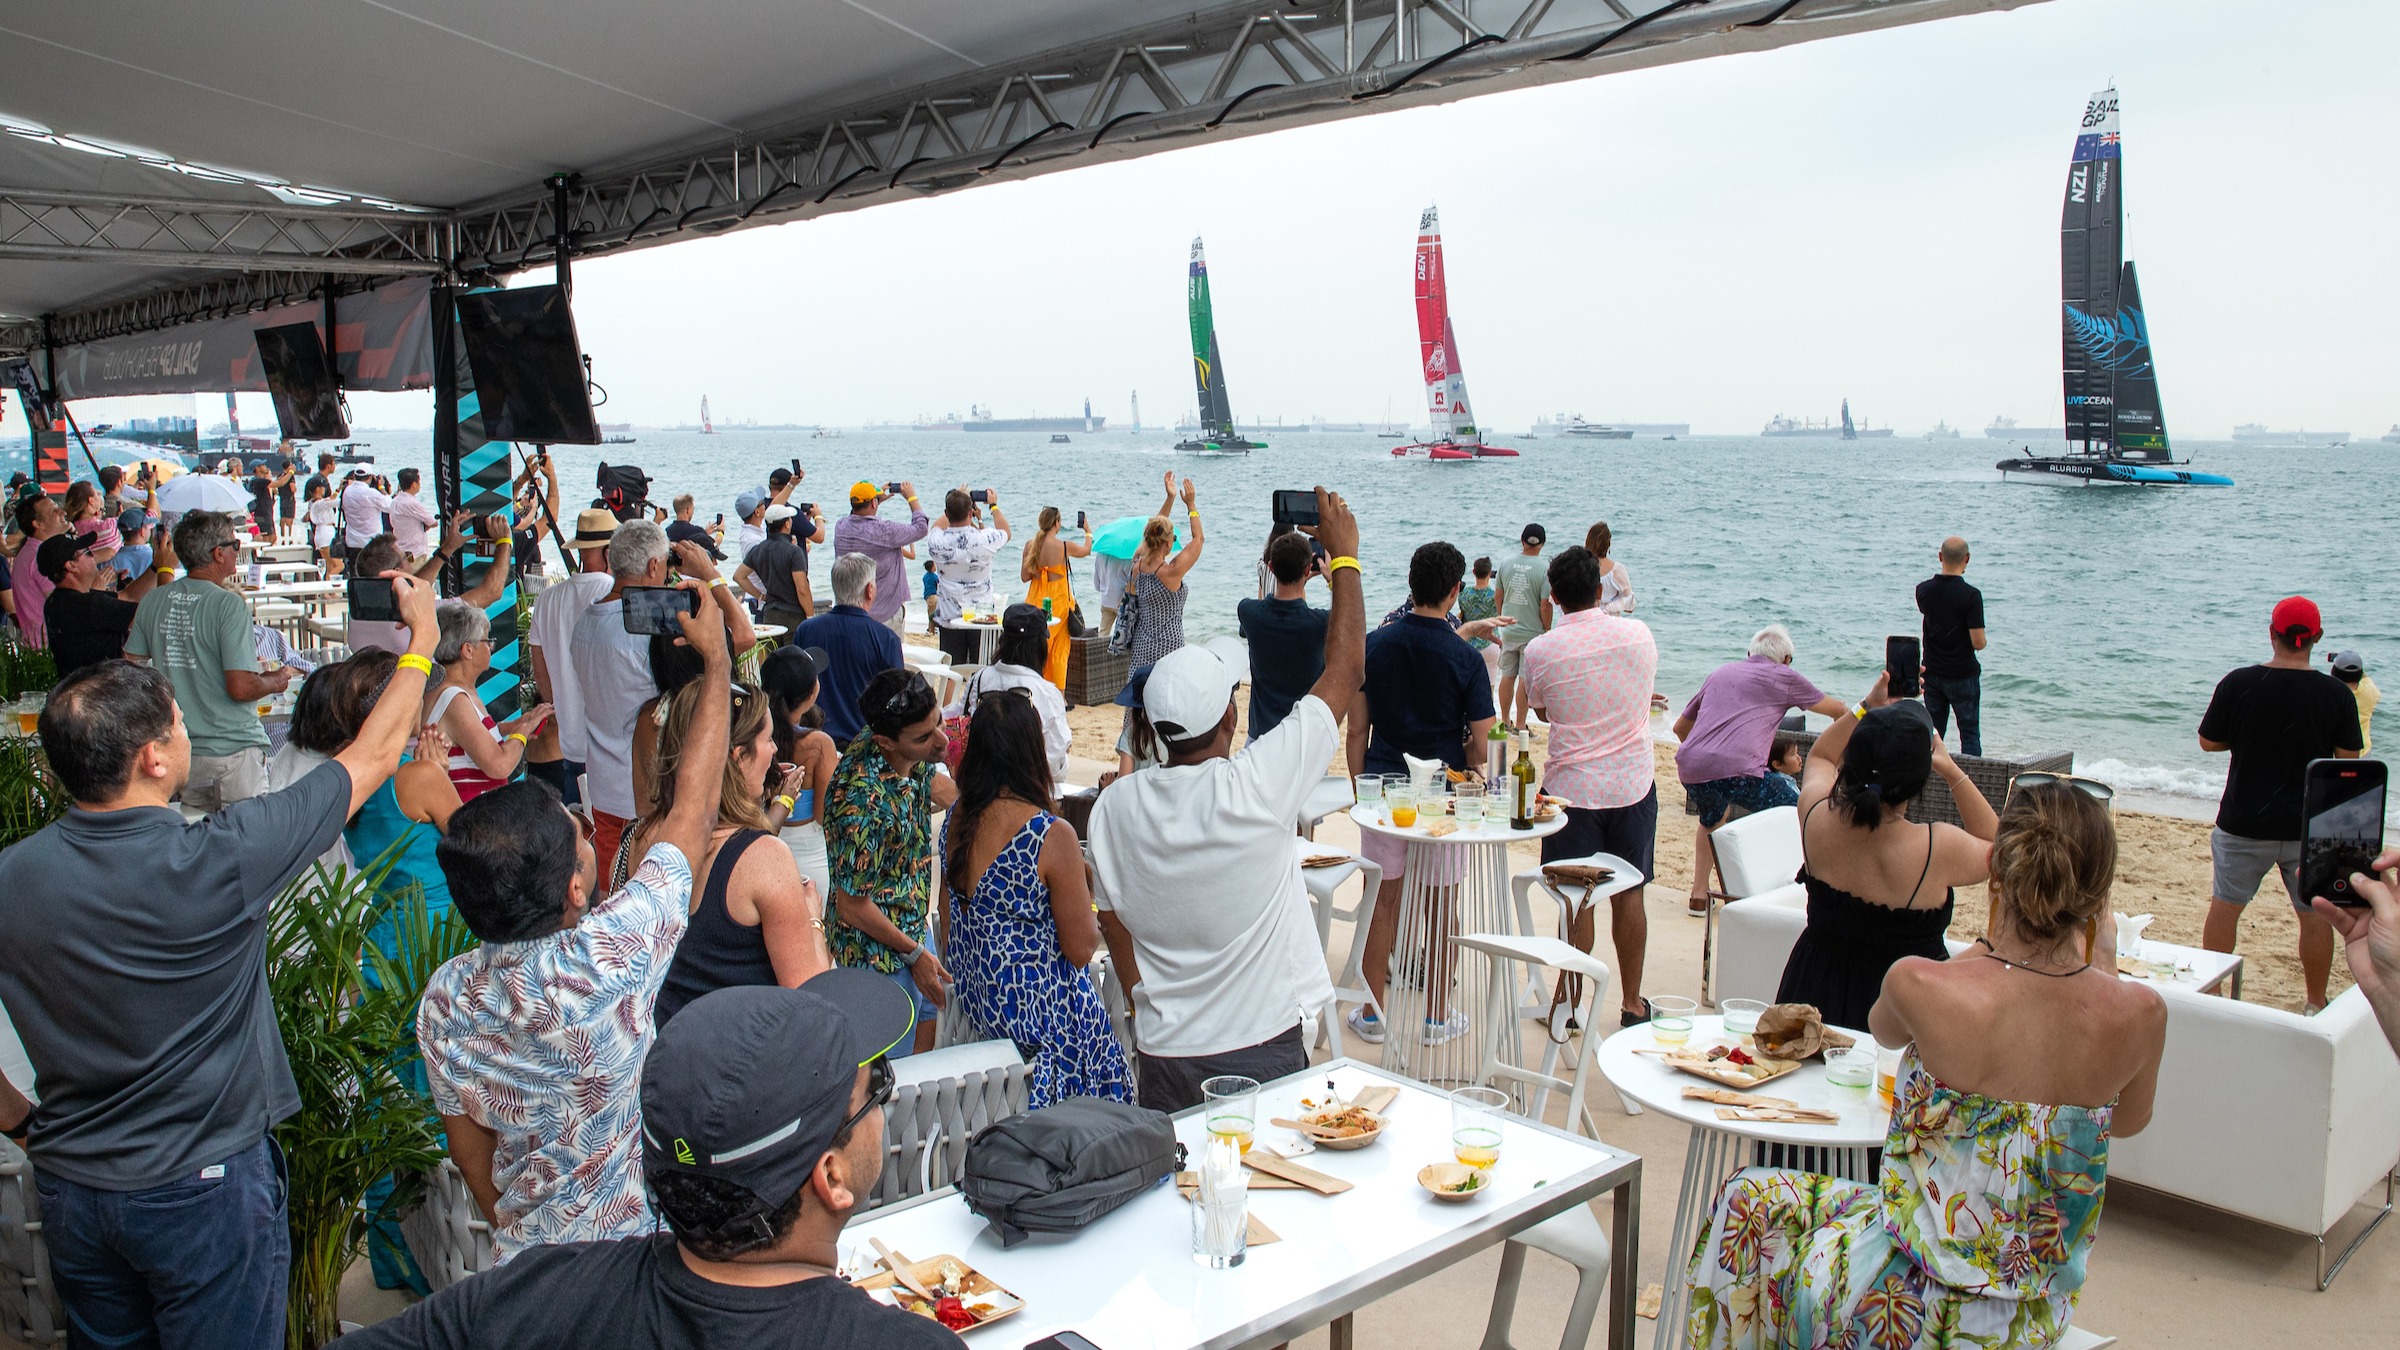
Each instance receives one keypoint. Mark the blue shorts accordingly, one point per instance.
(926, 1012)
(1712, 798)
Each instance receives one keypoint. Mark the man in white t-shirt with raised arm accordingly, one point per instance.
(557, 754)
(1200, 895)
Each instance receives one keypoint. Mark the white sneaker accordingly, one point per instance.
(1366, 1026)
(1445, 1031)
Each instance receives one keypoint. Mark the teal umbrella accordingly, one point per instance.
(1122, 537)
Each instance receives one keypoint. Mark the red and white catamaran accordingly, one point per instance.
(1455, 435)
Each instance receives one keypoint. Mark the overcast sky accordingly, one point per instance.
(1873, 217)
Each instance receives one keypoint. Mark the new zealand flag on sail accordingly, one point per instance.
(2099, 145)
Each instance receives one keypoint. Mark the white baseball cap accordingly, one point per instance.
(781, 512)
(1187, 694)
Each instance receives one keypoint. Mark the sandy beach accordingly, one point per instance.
(2162, 870)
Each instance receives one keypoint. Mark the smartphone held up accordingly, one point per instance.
(1904, 661)
(1295, 506)
(652, 610)
(2341, 828)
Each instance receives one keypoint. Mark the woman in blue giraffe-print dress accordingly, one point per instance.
(1018, 925)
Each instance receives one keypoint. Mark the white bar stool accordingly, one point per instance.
(1321, 883)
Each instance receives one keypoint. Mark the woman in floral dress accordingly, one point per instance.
(1019, 926)
(2023, 1061)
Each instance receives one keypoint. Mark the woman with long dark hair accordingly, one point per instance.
(1879, 884)
(1018, 927)
(1017, 664)
(805, 757)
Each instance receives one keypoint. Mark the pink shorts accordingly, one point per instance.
(1447, 865)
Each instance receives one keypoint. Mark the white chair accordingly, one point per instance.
(1755, 854)
(1574, 1236)
(447, 1234)
(1350, 986)
(941, 1100)
(1535, 1001)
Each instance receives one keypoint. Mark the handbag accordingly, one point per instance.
(956, 727)
(1076, 627)
(1059, 1168)
(1129, 613)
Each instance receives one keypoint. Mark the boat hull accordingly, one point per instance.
(2091, 471)
(1452, 450)
(1237, 445)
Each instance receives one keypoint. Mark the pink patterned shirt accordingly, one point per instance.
(1591, 675)
(542, 1041)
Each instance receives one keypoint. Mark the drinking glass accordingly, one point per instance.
(1475, 1125)
(1401, 797)
(1850, 1072)
(1671, 1019)
(1221, 1210)
(1367, 789)
(29, 713)
(1887, 1074)
(1231, 1109)
(1467, 805)
(1741, 1015)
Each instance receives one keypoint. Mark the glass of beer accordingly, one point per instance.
(1230, 1106)
(1671, 1019)
(1475, 1125)
(29, 714)
(1401, 797)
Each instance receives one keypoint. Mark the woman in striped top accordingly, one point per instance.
(483, 753)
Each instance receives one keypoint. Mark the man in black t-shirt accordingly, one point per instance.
(1953, 613)
(1286, 635)
(88, 625)
(777, 571)
(762, 1131)
(2275, 718)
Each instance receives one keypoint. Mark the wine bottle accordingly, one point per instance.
(1521, 791)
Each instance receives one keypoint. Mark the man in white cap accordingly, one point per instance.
(556, 755)
(1200, 894)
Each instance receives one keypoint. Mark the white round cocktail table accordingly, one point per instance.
(1715, 1150)
(1456, 883)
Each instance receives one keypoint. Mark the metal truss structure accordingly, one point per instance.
(1225, 70)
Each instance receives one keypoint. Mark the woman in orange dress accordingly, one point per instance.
(1044, 570)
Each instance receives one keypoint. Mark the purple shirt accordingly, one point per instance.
(881, 540)
(1734, 718)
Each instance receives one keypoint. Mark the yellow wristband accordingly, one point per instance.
(1339, 563)
(718, 581)
(787, 803)
(167, 572)
(1859, 711)
(518, 737)
(417, 663)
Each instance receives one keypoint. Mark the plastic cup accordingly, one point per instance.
(1887, 1074)
(1231, 1109)
(1467, 803)
(1221, 1211)
(1849, 1073)
(1367, 789)
(1475, 1125)
(1671, 1019)
(1741, 1015)
(1401, 799)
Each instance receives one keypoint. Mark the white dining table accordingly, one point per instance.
(1717, 1148)
(1128, 1282)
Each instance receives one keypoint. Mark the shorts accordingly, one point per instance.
(1446, 865)
(1172, 1083)
(1512, 659)
(218, 781)
(926, 1012)
(1751, 794)
(898, 623)
(960, 646)
(2240, 863)
(1628, 832)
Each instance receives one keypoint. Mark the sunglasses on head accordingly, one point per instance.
(2090, 787)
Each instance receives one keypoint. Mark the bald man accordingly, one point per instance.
(1953, 613)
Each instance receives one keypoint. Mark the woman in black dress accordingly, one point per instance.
(1879, 884)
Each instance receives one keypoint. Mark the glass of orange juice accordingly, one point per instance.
(1475, 1125)
(1230, 1106)
(1400, 798)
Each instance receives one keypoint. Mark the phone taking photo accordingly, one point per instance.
(2341, 828)
(1903, 660)
(373, 599)
(651, 610)
(1079, 522)
(980, 496)
(1295, 506)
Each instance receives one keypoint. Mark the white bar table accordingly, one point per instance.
(1716, 1147)
(2195, 968)
(1128, 1282)
(1456, 883)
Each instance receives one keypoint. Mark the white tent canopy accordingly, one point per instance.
(165, 162)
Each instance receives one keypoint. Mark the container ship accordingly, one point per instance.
(980, 418)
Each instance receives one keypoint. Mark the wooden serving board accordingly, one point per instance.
(1782, 1115)
(1258, 1160)
(978, 1286)
(1189, 1183)
(1724, 1098)
(1376, 1099)
(1731, 1075)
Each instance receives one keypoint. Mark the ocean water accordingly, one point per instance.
(2111, 612)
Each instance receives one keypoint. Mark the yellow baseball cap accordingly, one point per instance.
(864, 492)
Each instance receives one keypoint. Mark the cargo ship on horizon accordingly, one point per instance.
(979, 418)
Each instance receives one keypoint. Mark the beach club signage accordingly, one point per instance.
(382, 341)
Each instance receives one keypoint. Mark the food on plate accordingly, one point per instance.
(1439, 828)
(1346, 1122)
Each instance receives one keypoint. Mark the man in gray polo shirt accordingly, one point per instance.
(133, 964)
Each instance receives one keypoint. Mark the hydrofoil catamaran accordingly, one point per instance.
(1455, 435)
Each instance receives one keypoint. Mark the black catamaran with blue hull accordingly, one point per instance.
(2111, 380)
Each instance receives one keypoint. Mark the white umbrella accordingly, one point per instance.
(203, 492)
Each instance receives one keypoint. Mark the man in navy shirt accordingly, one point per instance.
(860, 647)
(1426, 695)
(1286, 635)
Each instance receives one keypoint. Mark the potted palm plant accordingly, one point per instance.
(350, 1031)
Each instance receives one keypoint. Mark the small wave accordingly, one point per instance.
(2198, 784)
